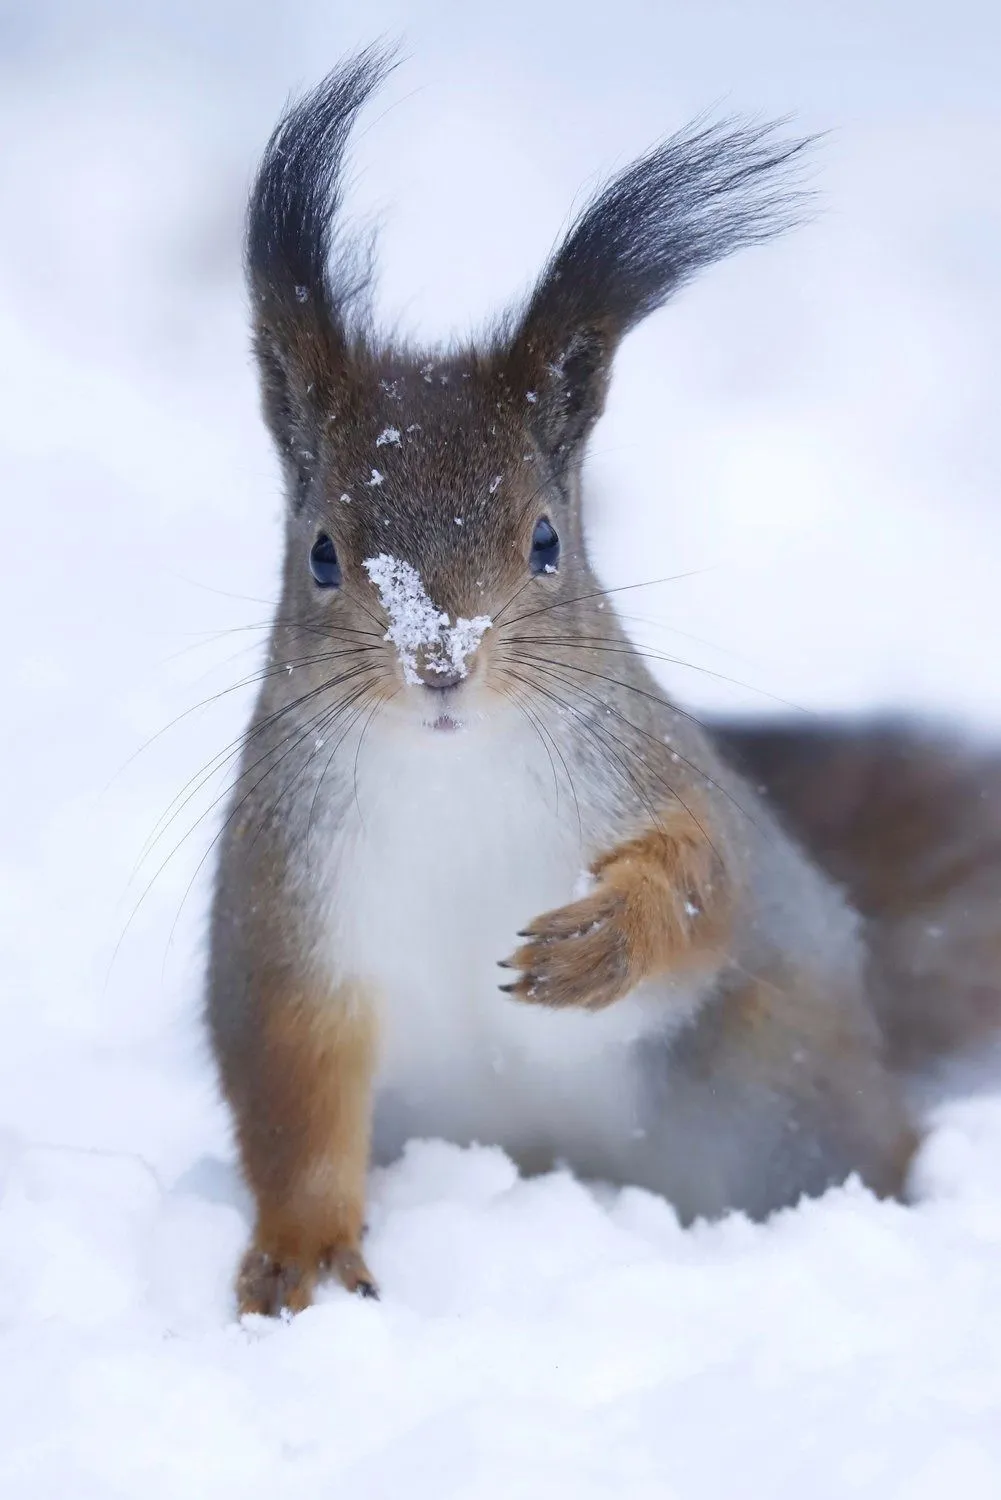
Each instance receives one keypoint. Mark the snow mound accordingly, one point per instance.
(535, 1337)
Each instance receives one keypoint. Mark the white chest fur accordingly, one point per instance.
(454, 843)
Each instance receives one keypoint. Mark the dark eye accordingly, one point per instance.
(545, 554)
(323, 562)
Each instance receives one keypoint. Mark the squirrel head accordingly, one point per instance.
(434, 496)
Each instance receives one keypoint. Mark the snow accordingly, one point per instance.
(416, 624)
(809, 433)
(534, 1336)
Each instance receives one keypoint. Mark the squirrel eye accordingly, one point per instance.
(323, 562)
(545, 554)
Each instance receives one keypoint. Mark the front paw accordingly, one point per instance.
(579, 954)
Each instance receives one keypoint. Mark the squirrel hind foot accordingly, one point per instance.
(272, 1287)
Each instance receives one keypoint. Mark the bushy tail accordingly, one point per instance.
(908, 822)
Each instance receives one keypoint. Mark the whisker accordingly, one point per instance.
(311, 726)
(274, 669)
(322, 776)
(510, 694)
(353, 595)
(638, 728)
(305, 734)
(605, 593)
(555, 744)
(379, 704)
(325, 627)
(627, 686)
(356, 695)
(235, 746)
(688, 635)
(592, 730)
(209, 637)
(671, 789)
(516, 595)
(163, 865)
(649, 653)
(209, 588)
(682, 713)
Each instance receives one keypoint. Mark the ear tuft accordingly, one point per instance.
(697, 197)
(307, 283)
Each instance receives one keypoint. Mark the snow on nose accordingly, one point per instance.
(429, 644)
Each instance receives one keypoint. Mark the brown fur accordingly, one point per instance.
(660, 906)
(304, 1136)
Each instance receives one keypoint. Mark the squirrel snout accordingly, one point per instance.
(435, 666)
(438, 680)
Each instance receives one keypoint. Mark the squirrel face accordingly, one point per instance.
(430, 514)
(434, 497)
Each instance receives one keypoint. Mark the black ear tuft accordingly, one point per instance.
(306, 283)
(690, 201)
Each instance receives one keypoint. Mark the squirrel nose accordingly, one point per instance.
(439, 680)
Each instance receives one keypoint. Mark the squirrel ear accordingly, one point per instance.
(564, 386)
(692, 200)
(307, 285)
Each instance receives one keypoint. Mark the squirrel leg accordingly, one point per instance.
(659, 906)
(304, 1126)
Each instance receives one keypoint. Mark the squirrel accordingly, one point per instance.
(458, 759)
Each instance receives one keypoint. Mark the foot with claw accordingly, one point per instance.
(576, 955)
(657, 907)
(272, 1285)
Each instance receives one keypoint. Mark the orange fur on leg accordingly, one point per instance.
(305, 1132)
(659, 906)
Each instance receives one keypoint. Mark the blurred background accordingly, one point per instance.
(811, 430)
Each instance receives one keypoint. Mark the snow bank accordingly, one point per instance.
(535, 1337)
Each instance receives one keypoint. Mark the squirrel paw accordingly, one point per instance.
(271, 1286)
(577, 955)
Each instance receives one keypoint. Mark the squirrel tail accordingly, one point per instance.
(907, 820)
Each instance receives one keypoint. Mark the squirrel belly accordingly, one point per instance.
(451, 842)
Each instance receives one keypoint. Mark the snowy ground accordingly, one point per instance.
(814, 426)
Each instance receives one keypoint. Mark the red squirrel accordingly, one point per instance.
(710, 944)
